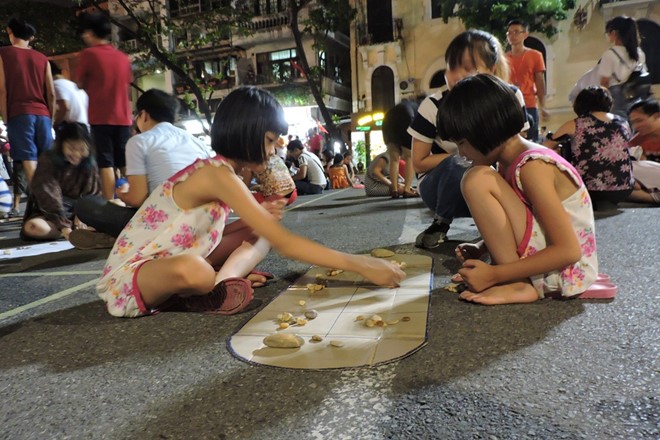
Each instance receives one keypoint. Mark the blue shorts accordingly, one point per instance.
(29, 136)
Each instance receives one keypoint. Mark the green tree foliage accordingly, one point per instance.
(325, 16)
(493, 15)
(56, 28)
(149, 23)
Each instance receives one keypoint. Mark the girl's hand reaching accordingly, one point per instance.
(477, 275)
(379, 271)
(275, 207)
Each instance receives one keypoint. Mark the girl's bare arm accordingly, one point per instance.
(212, 183)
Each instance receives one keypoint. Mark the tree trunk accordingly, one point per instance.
(294, 9)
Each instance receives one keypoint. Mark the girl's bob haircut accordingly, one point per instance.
(481, 109)
(241, 122)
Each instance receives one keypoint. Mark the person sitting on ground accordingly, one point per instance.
(158, 152)
(534, 213)
(64, 174)
(399, 144)
(645, 120)
(348, 161)
(434, 159)
(377, 180)
(177, 251)
(338, 173)
(599, 147)
(327, 159)
(310, 177)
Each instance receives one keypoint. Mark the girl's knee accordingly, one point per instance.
(194, 272)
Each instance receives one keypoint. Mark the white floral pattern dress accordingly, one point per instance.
(578, 277)
(159, 229)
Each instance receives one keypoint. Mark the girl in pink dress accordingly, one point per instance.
(177, 249)
(535, 214)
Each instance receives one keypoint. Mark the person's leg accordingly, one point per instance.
(533, 132)
(185, 275)
(40, 229)
(501, 218)
(238, 253)
(393, 151)
(102, 215)
(21, 132)
(120, 135)
(440, 191)
(102, 135)
(406, 154)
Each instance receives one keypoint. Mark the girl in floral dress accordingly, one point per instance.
(177, 249)
(535, 214)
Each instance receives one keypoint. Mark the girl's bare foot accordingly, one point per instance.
(257, 280)
(515, 293)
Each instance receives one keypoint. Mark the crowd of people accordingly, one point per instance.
(160, 198)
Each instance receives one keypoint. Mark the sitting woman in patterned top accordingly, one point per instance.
(599, 147)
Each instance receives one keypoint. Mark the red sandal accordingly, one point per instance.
(228, 297)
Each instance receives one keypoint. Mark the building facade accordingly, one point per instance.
(265, 55)
(398, 49)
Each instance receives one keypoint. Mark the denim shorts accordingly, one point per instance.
(29, 136)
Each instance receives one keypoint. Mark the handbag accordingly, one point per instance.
(588, 78)
(637, 86)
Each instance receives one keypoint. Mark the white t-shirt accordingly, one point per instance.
(161, 152)
(611, 67)
(77, 99)
(315, 173)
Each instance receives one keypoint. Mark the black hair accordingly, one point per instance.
(481, 109)
(647, 106)
(241, 122)
(161, 106)
(73, 131)
(517, 22)
(295, 145)
(592, 99)
(97, 23)
(328, 155)
(480, 45)
(339, 158)
(54, 68)
(347, 154)
(626, 27)
(21, 28)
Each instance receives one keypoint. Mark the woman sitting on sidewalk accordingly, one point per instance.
(63, 175)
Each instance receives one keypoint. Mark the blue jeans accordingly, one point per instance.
(104, 216)
(440, 189)
(29, 136)
(533, 132)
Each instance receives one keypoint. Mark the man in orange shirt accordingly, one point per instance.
(527, 73)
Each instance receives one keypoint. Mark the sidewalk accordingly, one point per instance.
(548, 370)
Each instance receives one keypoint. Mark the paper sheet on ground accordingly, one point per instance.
(35, 249)
(346, 297)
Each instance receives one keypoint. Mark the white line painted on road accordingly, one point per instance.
(51, 274)
(42, 301)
